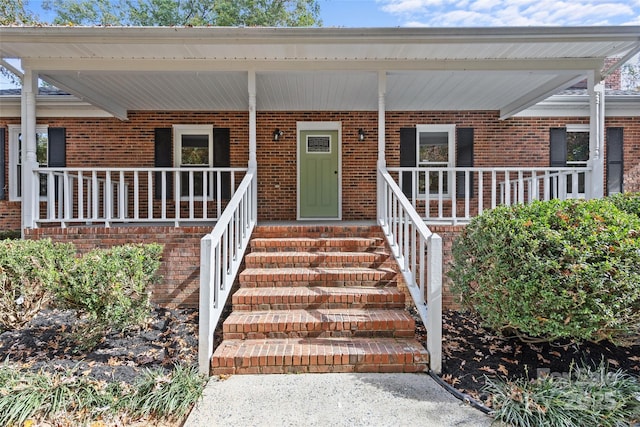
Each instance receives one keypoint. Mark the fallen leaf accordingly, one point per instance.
(503, 370)
(488, 369)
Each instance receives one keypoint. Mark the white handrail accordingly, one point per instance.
(221, 253)
(409, 238)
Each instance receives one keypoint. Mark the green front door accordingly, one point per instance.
(318, 175)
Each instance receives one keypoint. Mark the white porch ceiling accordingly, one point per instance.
(504, 69)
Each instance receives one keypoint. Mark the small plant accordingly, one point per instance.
(588, 397)
(27, 395)
(109, 287)
(162, 395)
(29, 269)
(556, 269)
(73, 399)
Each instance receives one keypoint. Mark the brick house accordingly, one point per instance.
(158, 128)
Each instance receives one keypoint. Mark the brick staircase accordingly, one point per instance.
(318, 299)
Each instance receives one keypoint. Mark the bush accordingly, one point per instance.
(109, 286)
(553, 269)
(587, 397)
(28, 270)
(628, 202)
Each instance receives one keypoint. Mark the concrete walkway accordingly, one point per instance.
(331, 400)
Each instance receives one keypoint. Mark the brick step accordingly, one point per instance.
(310, 244)
(315, 259)
(318, 323)
(319, 355)
(316, 297)
(351, 276)
(284, 231)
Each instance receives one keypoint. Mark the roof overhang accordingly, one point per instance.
(120, 69)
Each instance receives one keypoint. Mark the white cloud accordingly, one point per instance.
(514, 12)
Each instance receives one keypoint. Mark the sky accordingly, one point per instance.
(467, 13)
(478, 13)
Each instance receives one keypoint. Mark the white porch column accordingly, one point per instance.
(382, 92)
(29, 158)
(596, 138)
(253, 160)
(382, 162)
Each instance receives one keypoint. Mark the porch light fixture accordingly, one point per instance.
(360, 134)
(277, 134)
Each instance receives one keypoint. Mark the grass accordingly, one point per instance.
(587, 396)
(27, 397)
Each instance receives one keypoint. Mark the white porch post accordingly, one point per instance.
(595, 189)
(382, 162)
(29, 158)
(253, 162)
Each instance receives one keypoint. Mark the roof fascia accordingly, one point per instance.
(51, 106)
(214, 35)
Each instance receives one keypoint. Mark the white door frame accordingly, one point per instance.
(311, 126)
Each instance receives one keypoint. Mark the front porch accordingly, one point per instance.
(419, 126)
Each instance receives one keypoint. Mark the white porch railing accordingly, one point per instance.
(130, 195)
(455, 195)
(418, 253)
(221, 254)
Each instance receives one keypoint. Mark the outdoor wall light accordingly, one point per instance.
(277, 134)
(360, 134)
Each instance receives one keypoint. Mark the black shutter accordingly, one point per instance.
(615, 157)
(162, 159)
(407, 157)
(464, 159)
(558, 147)
(222, 159)
(57, 154)
(3, 165)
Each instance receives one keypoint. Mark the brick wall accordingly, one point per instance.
(180, 268)
(512, 142)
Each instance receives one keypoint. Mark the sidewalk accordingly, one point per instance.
(331, 400)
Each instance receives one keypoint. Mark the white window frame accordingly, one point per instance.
(450, 129)
(178, 132)
(14, 156)
(578, 128)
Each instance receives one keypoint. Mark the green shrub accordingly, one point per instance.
(553, 269)
(109, 286)
(628, 202)
(587, 397)
(28, 270)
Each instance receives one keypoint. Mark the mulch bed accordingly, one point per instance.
(45, 344)
(470, 352)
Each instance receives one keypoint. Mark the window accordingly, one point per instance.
(577, 152)
(435, 149)
(15, 159)
(194, 149)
